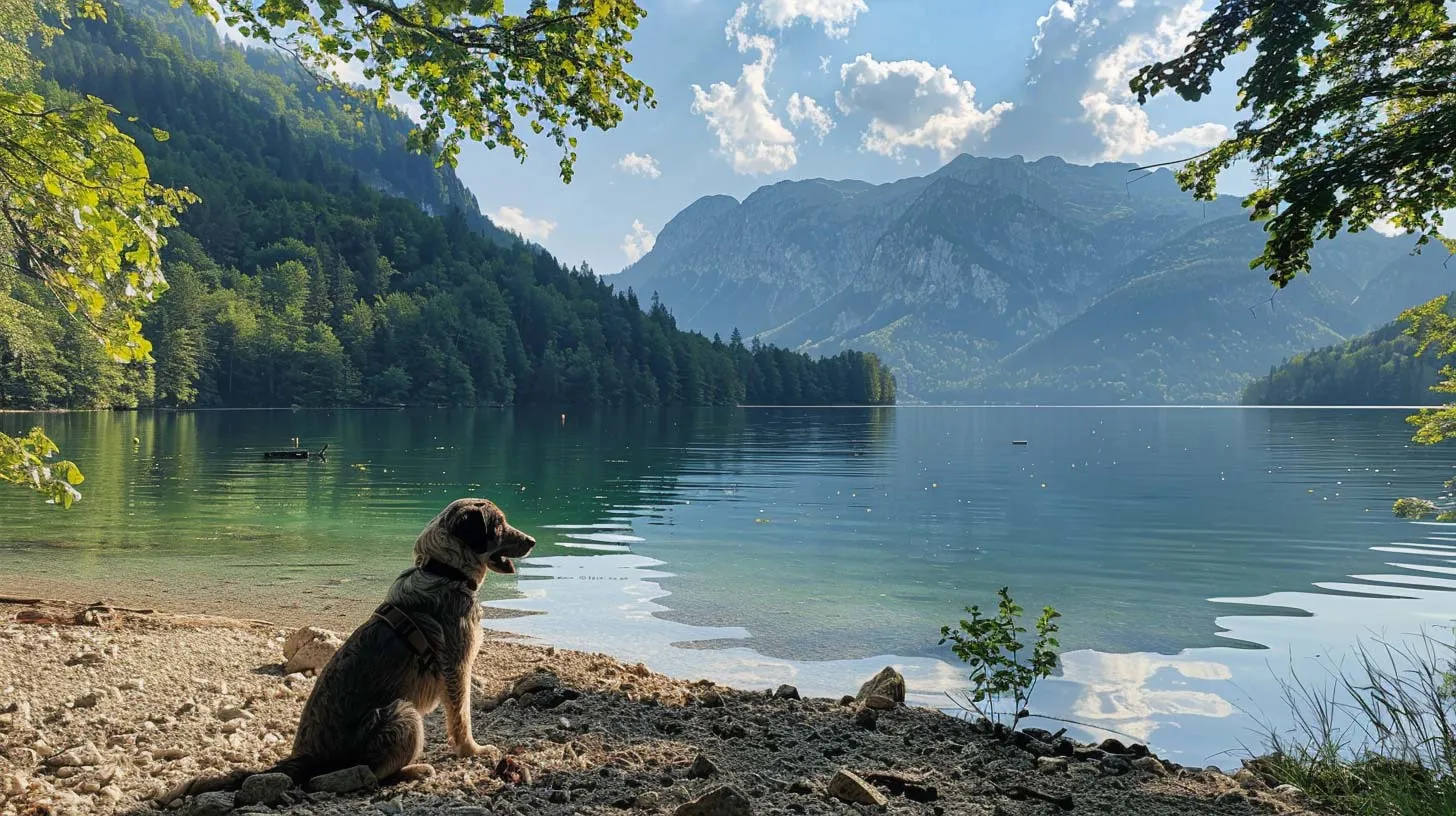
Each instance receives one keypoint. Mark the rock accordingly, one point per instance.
(786, 692)
(1115, 765)
(534, 683)
(1249, 780)
(134, 684)
(888, 683)
(86, 659)
(1149, 764)
(110, 793)
(264, 789)
(710, 699)
(702, 768)
(215, 803)
(345, 781)
(1112, 746)
(648, 800)
(80, 756)
(1290, 792)
(866, 718)
(309, 649)
(1051, 765)
(227, 713)
(847, 700)
(846, 787)
(13, 784)
(88, 700)
(724, 801)
(802, 786)
(303, 635)
(560, 797)
(879, 702)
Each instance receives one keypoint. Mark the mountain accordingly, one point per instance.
(326, 265)
(1006, 280)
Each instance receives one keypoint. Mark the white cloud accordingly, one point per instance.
(513, 219)
(913, 104)
(824, 63)
(803, 110)
(1386, 227)
(741, 115)
(638, 242)
(835, 16)
(1077, 103)
(1112, 111)
(644, 165)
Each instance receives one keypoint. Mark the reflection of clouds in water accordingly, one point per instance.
(1121, 690)
(607, 603)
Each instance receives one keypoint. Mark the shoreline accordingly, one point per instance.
(92, 721)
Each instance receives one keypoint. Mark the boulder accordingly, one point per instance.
(786, 692)
(310, 653)
(264, 789)
(888, 683)
(847, 787)
(724, 801)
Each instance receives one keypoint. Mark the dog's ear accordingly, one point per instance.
(474, 528)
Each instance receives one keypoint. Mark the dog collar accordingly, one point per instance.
(443, 570)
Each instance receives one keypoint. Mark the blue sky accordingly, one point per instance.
(751, 93)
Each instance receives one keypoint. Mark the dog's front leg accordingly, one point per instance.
(457, 702)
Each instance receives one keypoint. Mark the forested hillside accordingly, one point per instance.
(327, 266)
(1379, 368)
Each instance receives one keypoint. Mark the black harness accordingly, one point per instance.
(404, 626)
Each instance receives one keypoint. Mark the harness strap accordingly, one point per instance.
(406, 628)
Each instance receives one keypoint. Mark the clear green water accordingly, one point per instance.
(1196, 554)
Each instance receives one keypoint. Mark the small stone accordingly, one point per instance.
(1150, 765)
(710, 699)
(648, 800)
(787, 692)
(264, 789)
(866, 718)
(724, 801)
(134, 684)
(560, 797)
(879, 702)
(80, 756)
(847, 700)
(702, 768)
(888, 683)
(1115, 765)
(1248, 780)
(1291, 792)
(847, 787)
(312, 654)
(641, 670)
(87, 700)
(215, 803)
(801, 786)
(110, 793)
(345, 781)
(392, 807)
(1112, 745)
(227, 713)
(299, 637)
(13, 784)
(86, 659)
(534, 683)
(1051, 764)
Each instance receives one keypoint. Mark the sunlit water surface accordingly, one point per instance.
(1198, 556)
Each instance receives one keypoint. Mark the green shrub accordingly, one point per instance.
(1003, 670)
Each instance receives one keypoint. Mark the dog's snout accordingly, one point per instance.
(519, 539)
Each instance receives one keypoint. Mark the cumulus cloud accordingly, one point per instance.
(513, 219)
(644, 165)
(638, 242)
(803, 110)
(750, 134)
(836, 17)
(913, 104)
(1078, 104)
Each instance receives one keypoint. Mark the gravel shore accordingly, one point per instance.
(102, 710)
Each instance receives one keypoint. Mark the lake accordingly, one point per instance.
(1197, 555)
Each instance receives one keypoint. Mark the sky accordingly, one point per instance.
(752, 93)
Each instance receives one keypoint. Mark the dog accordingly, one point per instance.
(415, 652)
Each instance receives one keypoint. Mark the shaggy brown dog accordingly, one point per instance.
(414, 653)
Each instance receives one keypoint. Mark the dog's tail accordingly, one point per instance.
(298, 768)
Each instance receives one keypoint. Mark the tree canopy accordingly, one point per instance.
(1349, 116)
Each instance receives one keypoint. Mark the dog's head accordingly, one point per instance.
(473, 536)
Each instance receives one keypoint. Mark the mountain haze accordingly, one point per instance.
(1006, 280)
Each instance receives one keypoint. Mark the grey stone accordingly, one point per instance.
(724, 801)
(211, 804)
(345, 781)
(1115, 765)
(702, 768)
(787, 692)
(264, 789)
(534, 683)
(847, 787)
(1150, 765)
(1051, 765)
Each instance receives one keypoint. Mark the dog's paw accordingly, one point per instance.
(474, 750)
(416, 772)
